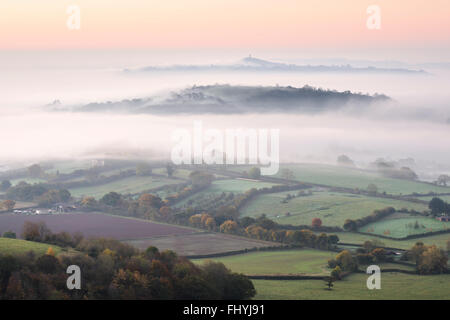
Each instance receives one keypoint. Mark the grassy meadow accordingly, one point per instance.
(400, 228)
(332, 208)
(18, 246)
(132, 184)
(394, 286)
(304, 261)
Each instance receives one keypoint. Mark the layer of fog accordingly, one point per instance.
(415, 126)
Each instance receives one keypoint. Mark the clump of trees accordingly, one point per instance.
(316, 222)
(8, 204)
(254, 173)
(344, 160)
(53, 196)
(9, 234)
(143, 169)
(393, 170)
(428, 259)
(26, 192)
(114, 270)
(200, 179)
(345, 261)
(438, 206)
(45, 195)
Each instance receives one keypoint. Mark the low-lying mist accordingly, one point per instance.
(415, 125)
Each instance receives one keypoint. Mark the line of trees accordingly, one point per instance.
(353, 225)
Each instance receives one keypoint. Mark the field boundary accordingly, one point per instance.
(237, 252)
(411, 236)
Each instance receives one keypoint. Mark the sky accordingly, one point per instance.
(186, 24)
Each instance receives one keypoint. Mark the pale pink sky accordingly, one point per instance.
(223, 23)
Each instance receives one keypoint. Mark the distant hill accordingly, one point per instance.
(255, 64)
(228, 99)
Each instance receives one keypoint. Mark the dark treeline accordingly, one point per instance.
(353, 225)
(113, 270)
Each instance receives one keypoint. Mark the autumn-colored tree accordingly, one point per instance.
(196, 220)
(50, 251)
(210, 223)
(204, 217)
(416, 251)
(336, 273)
(229, 226)
(345, 261)
(148, 200)
(432, 261)
(289, 236)
(89, 203)
(8, 204)
(128, 285)
(164, 211)
(316, 222)
(256, 232)
(35, 231)
(379, 254)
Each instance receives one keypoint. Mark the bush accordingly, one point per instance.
(9, 234)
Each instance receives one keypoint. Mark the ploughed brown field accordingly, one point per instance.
(93, 225)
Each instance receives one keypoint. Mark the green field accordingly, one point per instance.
(445, 198)
(394, 286)
(133, 184)
(303, 261)
(69, 166)
(439, 240)
(400, 228)
(332, 208)
(18, 246)
(353, 178)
